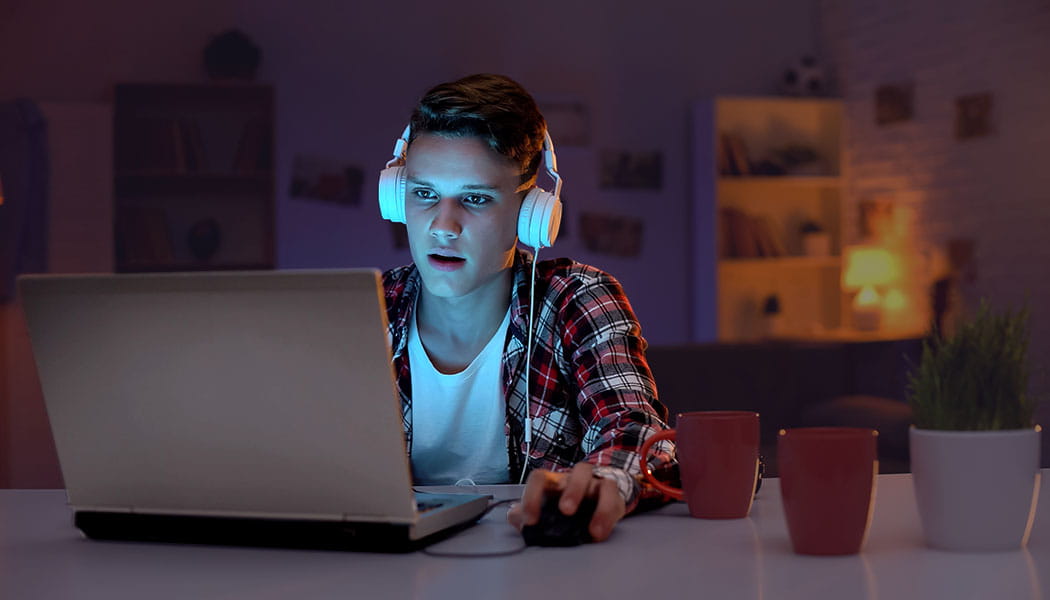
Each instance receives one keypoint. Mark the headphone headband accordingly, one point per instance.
(400, 146)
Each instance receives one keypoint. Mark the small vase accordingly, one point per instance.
(976, 490)
(816, 244)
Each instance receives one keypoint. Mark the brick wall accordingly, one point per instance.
(993, 189)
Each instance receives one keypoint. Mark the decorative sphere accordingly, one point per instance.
(804, 78)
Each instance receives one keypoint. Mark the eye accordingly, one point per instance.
(424, 194)
(476, 200)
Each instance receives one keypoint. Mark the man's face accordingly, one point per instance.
(461, 209)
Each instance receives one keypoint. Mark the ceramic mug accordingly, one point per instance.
(827, 485)
(717, 461)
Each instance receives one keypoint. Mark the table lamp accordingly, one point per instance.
(868, 268)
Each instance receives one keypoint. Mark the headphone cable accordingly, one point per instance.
(528, 359)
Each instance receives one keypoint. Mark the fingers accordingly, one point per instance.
(608, 512)
(515, 516)
(538, 485)
(578, 484)
(573, 486)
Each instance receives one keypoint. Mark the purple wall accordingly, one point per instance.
(347, 75)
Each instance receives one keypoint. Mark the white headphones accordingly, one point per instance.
(538, 219)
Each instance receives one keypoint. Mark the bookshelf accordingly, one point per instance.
(193, 177)
(763, 169)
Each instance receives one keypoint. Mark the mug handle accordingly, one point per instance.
(673, 492)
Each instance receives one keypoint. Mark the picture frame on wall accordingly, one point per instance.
(894, 103)
(630, 170)
(326, 179)
(615, 235)
(568, 121)
(973, 116)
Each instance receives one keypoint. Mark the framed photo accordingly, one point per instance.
(973, 116)
(631, 170)
(611, 234)
(893, 103)
(326, 179)
(568, 121)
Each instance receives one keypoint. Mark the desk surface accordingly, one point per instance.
(656, 555)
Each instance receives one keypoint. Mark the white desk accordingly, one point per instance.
(664, 554)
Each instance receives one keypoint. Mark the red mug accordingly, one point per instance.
(827, 485)
(717, 461)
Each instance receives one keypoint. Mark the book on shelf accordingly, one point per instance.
(769, 242)
(152, 146)
(192, 146)
(164, 145)
(746, 236)
(725, 166)
(144, 236)
(738, 229)
(254, 148)
(732, 155)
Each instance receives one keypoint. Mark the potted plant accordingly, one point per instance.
(772, 317)
(974, 446)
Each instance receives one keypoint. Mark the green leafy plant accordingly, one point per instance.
(977, 379)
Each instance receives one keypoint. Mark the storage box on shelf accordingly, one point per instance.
(767, 218)
(193, 177)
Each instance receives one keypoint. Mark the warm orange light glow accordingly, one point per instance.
(895, 300)
(867, 309)
(866, 297)
(869, 266)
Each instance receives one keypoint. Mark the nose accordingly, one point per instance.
(447, 224)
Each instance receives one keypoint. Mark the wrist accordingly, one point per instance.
(625, 484)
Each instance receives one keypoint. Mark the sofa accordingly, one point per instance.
(796, 384)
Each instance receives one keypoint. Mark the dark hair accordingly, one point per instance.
(494, 108)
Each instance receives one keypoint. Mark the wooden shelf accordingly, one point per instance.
(748, 244)
(193, 166)
(781, 262)
(804, 181)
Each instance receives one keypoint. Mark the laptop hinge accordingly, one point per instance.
(107, 509)
(365, 519)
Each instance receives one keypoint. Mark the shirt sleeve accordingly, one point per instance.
(617, 396)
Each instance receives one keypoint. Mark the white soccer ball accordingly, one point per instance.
(804, 78)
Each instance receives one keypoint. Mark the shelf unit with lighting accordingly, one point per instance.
(751, 196)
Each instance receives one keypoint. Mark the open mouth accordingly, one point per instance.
(448, 260)
(445, 263)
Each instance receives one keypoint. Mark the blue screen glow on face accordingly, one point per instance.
(461, 208)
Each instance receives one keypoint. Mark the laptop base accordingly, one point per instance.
(270, 533)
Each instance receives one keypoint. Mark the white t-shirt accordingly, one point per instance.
(458, 420)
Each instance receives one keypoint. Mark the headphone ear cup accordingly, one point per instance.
(392, 184)
(539, 219)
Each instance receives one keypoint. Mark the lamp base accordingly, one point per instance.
(867, 319)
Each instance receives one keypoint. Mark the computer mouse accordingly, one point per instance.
(557, 529)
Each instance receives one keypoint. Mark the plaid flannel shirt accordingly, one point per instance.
(593, 397)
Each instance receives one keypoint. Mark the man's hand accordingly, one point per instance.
(573, 486)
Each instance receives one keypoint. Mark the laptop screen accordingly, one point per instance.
(264, 393)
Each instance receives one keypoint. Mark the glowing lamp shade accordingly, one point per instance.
(867, 269)
(869, 266)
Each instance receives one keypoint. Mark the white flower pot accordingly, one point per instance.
(976, 490)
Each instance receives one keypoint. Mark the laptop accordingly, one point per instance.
(253, 408)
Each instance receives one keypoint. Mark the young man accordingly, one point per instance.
(460, 319)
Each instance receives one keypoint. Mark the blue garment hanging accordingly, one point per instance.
(24, 173)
